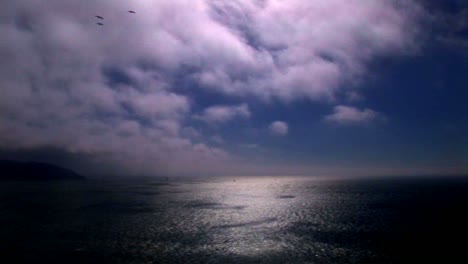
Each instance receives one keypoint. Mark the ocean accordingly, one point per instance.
(236, 220)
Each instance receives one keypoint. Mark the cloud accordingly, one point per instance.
(346, 115)
(113, 92)
(222, 113)
(279, 128)
(159, 104)
(307, 49)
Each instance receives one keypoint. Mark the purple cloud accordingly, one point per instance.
(308, 48)
(279, 128)
(57, 89)
(346, 115)
(223, 113)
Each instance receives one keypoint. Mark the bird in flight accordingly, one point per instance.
(131, 12)
(100, 17)
(101, 24)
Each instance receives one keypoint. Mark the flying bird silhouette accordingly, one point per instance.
(101, 24)
(100, 17)
(131, 12)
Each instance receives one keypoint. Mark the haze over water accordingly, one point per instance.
(242, 220)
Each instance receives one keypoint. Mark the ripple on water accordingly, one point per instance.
(216, 222)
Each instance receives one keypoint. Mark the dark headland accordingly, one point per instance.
(34, 171)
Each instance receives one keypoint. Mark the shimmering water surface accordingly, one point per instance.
(246, 220)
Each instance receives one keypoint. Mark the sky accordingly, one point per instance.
(239, 87)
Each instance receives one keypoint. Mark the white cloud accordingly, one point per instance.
(154, 105)
(224, 113)
(279, 128)
(305, 48)
(68, 83)
(346, 115)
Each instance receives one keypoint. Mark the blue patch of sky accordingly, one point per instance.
(116, 76)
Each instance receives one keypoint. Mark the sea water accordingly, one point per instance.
(241, 220)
